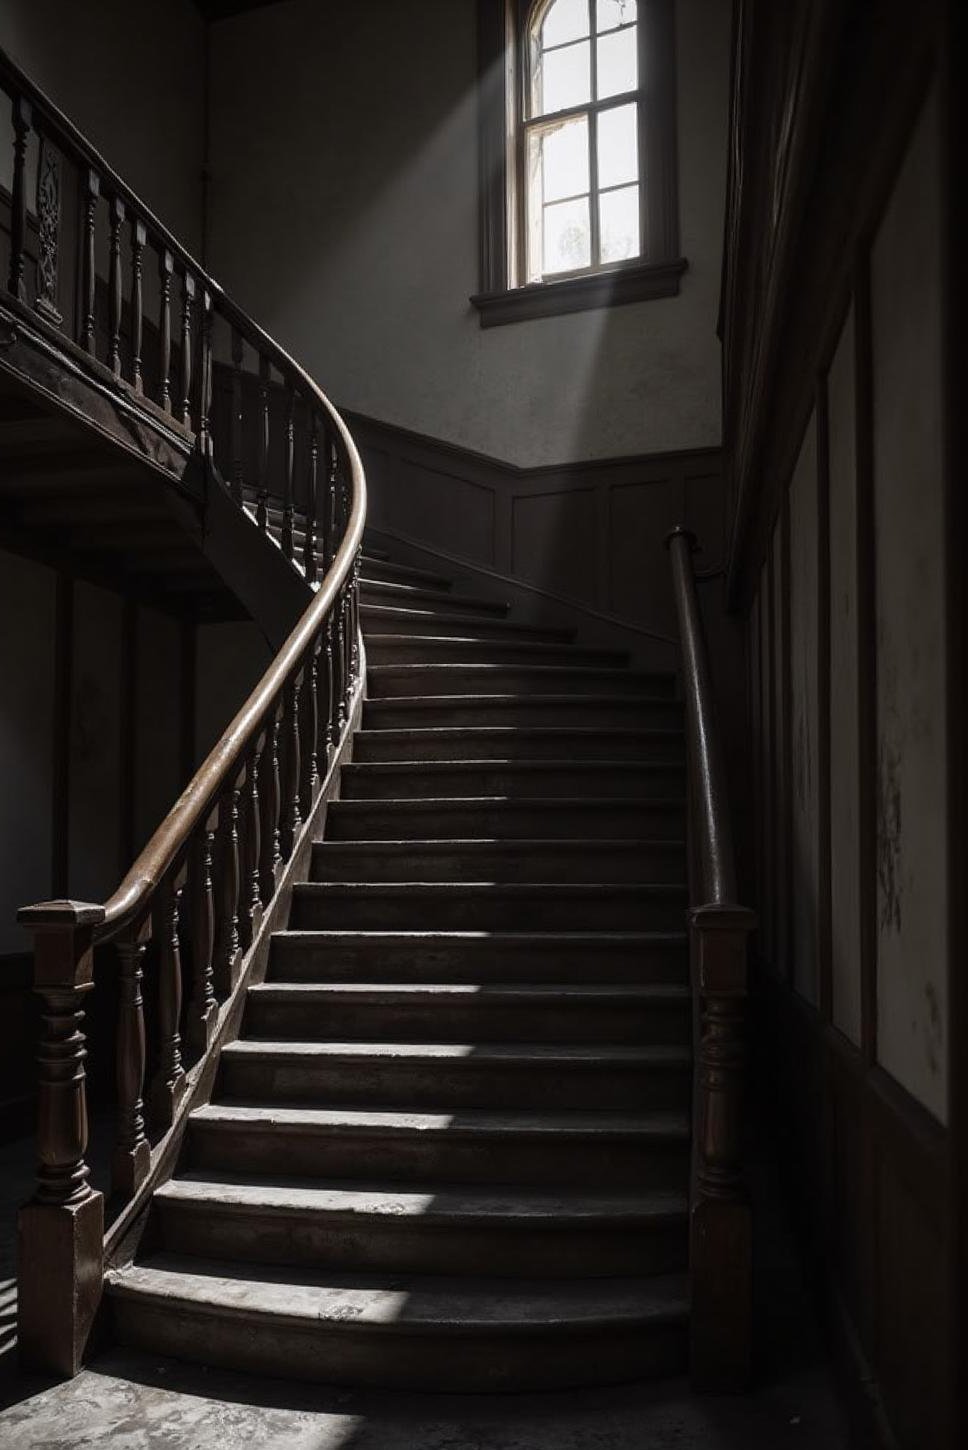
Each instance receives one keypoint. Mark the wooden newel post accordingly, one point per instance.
(61, 1229)
(720, 1224)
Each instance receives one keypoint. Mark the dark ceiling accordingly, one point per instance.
(222, 9)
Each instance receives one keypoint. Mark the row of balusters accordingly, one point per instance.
(212, 900)
(186, 319)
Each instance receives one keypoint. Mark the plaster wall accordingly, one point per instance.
(351, 232)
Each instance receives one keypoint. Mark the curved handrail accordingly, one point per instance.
(125, 905)
(715, 840)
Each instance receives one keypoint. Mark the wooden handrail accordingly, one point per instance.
(717, 872)
(226, 842)
(720, 1229)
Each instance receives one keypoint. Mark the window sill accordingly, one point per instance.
(641, 283)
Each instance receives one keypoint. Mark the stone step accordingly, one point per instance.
(387, 591)
(493, 1012)
(403, 681)
(497, 819)
(510, 742)
(644, 1149)
(403, 649)
(556, 711)
(484, 860)
(511, 779)
(388, 619)
(479, 957)
(427, 1228)
(421, 1075)
(488, 906)
(407, 1332)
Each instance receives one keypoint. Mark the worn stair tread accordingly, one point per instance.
(549, 940)
(598, 1124)
(438, 890)
(553, 733)
(632, 680)
(541, 802)
(486, 845)
(511, 764)
(538, 1053)
(510, 993)
(403, 1303)
(503, 698)
(431, 642)
(391, 589)
(449, 1203)
(454, 619)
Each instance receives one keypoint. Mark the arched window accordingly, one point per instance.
(577, 155)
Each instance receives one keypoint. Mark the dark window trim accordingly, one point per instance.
(500, 74)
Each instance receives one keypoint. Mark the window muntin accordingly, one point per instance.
(582, 190)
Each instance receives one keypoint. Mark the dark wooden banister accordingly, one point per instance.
(720, 1229)
(226, 842)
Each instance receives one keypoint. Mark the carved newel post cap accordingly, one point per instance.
(62, 914)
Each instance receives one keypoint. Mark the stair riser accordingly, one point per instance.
(332, 862)
(421, 745)
(353, 1242)
(335, 960)
(369, 911)
(461, 821)
(375, 621)
(477, 1021)
(393, 1357)
(377, 571)
(374, 592)
(403, 651)
(455, 714)
(420, 1157)
(469, 1082)
(401, 682)
(665, 782)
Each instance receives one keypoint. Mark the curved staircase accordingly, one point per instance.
(450, 1146)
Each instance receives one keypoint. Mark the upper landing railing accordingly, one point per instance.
(191, 906)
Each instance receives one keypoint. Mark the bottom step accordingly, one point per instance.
(419, 1333)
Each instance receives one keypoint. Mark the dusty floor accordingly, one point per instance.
(131, 1402)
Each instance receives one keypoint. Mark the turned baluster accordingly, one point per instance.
(290, 475)
(327, 696)
(355, 618)
(262, 504)
(115, 283)
(206, 378)
(312, 502)
(342, 635)
(168, 1083)
(139, 237)
(48, 230)
(92, 190)
(227, 945)
(132, 1153)
(291, 818)
(203, 1008)
(309, 724)
(339, 678)
(63, 1223)
(329, 502)
(250, 912)
(270, 796)
(166, 268)
(22, 118)
(188, 302)
(236, 472)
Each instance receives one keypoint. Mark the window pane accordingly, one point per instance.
(562, 156)
(611, 13)
(618, 149)
(618, 213)
(567, 236)
(618, 63)
(563, 78)
(566, 20)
